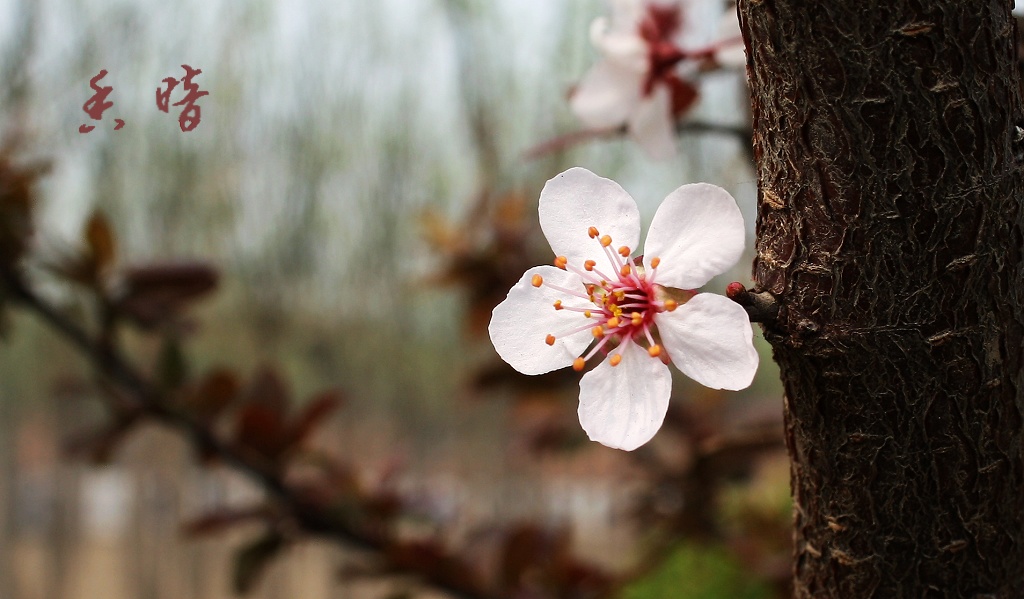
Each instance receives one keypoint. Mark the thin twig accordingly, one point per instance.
(152, 401)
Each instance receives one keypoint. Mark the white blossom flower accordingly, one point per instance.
(640, 315)
(637, 82)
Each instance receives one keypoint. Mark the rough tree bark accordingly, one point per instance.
(890, 231)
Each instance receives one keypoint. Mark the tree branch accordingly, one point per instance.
(152, 402)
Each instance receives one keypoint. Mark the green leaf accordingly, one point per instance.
(252, 559)
(698, 572)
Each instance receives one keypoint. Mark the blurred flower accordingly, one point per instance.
(637, 83)
(641, 315)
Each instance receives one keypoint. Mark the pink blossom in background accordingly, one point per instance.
(638, 82)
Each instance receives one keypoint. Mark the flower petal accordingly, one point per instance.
(618, 39)
(623, 406)
(652, 125)
(607, 95)
(731, 53)
(627, 14)
(520, 324)
(576, 200)
(710, 340)
(697, 233)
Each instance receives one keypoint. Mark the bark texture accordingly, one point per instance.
(890, 230)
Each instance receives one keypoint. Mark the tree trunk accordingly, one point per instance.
(890, 231)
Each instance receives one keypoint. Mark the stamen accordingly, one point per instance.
(592, 231)
(589, 265)
(578, 363)
(613, 322)
(671, 305)
(602, 275)
(625, 270)
(598, 332)
(550, 340)
(615, 359)
(654, 351)
(586, 276)
(606, 240)
(587, 313)
(537, 280)
(558, 304)
(583, 311)
(650, 339)
(561, 261)
(655, 261)
(624, 252)
(597, 347)
(637, 318)
(613, 258)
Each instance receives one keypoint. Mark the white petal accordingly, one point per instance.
(730, 39)
(627, 14)
(623, 406)
(618, 39)
(607, 95)
(652, 125)
(710, 340)
(697, 233)
(521, 323)
(576, 200)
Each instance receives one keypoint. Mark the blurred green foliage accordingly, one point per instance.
(698, 572)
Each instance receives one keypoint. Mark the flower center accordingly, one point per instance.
(622, 305)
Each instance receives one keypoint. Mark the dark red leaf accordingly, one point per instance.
(252, 560)
(223, 519)
(212, 394)
(156, 293)
(314, 413)
(262, 428)
(100, 242)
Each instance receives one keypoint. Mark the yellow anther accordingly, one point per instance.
(561, 261)
(620, 295)
(590, 289)
(624, 252)
(624, 271)
(577, 364)
(613, 322)
(558, 304)
(637, 318)
(655, 262)
(592, 231)
(654, 351)
(587, 313)
(671, 304)
(550, 340)
(537, 280)
(615, 359)
(598, 332)
(589, 265)
(606, 240)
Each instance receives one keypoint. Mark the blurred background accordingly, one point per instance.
(358, 178)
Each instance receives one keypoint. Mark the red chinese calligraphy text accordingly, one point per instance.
(97, 104)
(190, 114)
